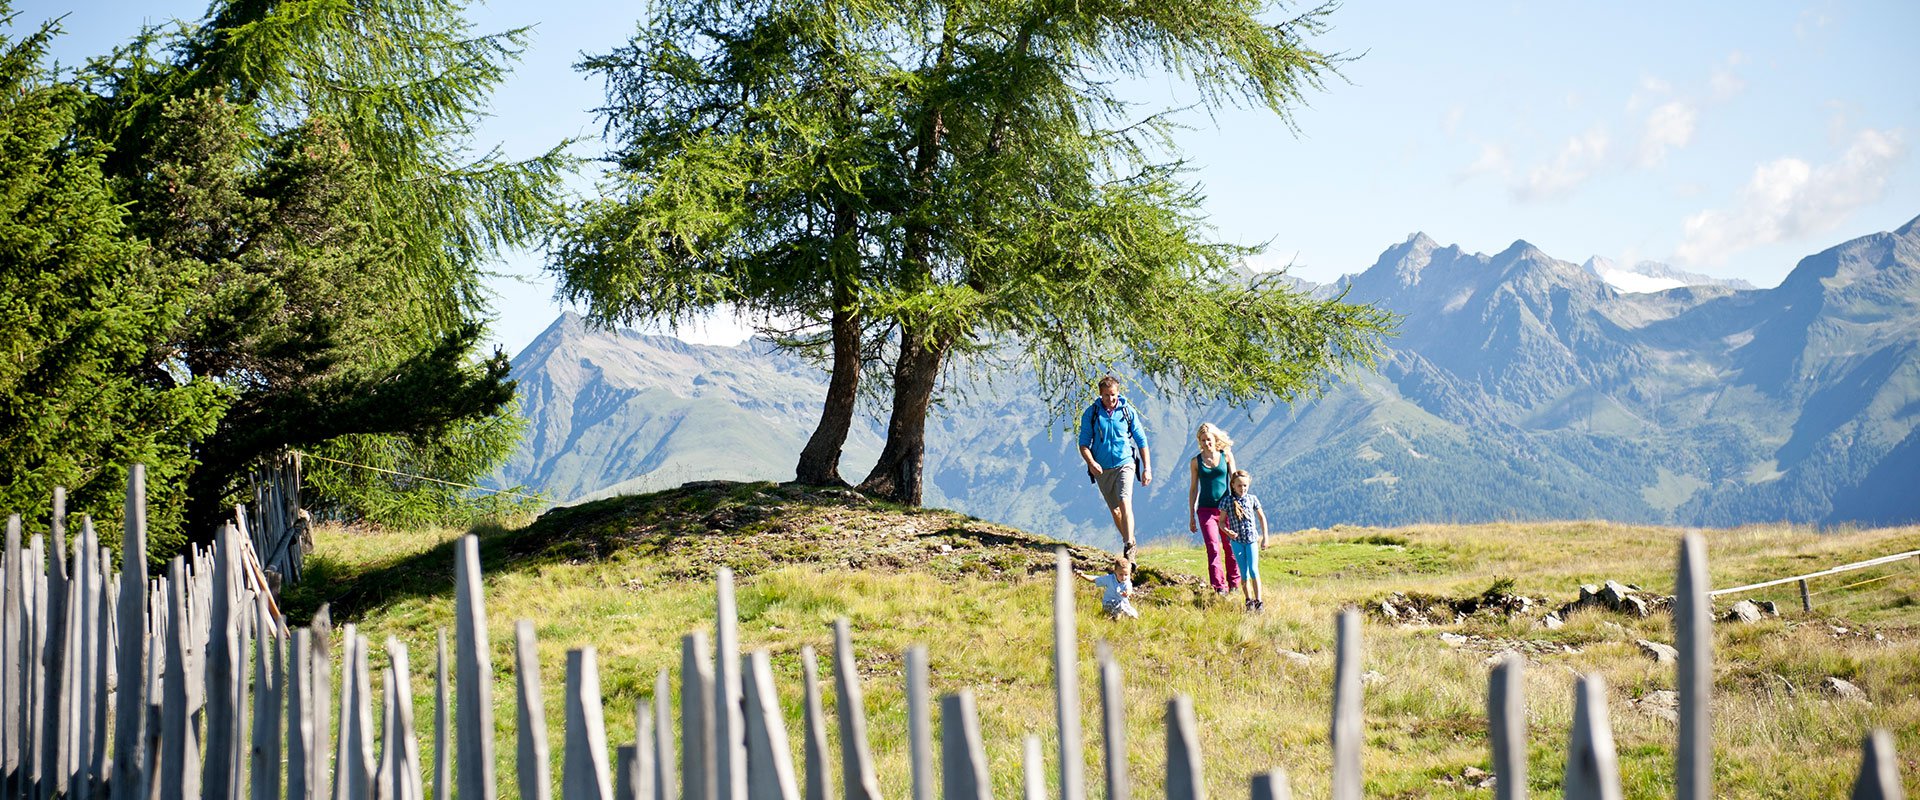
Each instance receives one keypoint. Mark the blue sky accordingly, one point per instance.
(1725, 138)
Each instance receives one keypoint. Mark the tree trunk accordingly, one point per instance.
(820, 459)
(897, 475)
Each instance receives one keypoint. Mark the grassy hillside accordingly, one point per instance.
(630, 575)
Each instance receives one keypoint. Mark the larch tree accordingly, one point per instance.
(1006, 197)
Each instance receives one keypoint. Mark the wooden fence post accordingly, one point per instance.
(13, 654)
(1346, 731)
(1693, 638)
(1806, 597)
(815, 741)
(919, 733)
(54, 705)
(1113, 724)
(399, 741)
(1879, 770)
(300, 739)
(1593, 769)
(1066, 680)
(442, 756)
(178, 736)
(584, 773)
(963, 762)
(1033, 773)
(159, 634)
(626, 763)
(696, 718)
(663, 787)
(321, 683)
(473, 677)
(769, 759)
(353, 756)
(1507, 727)
(531, 752)
(89, 672)
(729, 735)
(636, 769)
(269, 681)
(857, 776)
(221, 770)
(1184, 780)
(1271, 786)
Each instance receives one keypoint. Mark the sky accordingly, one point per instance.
(1730, 139)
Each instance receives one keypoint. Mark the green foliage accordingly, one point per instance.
(951, 177)
(294, 232)
(423, 492)
(76, 402)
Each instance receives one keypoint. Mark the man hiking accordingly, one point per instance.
(1109, 431)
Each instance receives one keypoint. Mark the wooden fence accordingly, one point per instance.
(117, 685)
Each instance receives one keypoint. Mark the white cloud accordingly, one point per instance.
(1451, 122)
(1492, 161)
(1579, 158)
(1669, 127)
(1789, 198)
(1724, 83)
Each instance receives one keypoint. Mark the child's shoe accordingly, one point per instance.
(1259, 606)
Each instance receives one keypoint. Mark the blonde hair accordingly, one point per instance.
(1220, 440)
(1241, 475)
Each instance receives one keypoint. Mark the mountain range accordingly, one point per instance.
(1519, 386)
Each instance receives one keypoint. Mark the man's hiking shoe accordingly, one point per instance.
(1127, 552)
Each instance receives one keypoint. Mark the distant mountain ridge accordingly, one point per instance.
(1520, 387)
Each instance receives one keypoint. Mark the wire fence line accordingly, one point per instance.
(210, 693)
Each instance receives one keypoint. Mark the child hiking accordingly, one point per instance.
(1116, 598)
(1240, 509)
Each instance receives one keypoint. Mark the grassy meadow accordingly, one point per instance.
(629, 576)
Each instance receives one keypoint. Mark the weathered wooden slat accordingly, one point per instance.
(1593, 768)
(13, 663)
(1693, 638)
(858, 778)
(269, 690)
(399, 738)
(178, 737)
(1879, 777)
(353, 759)
(220, 774)
(33, 714)
(1271, 785)
(663, 762)
(769, 752)
(728, 730)
(696, 718)
(626, 762)
(1507, 727)
(473, 678)
(1113, 725)
(442, 757)
(963, 761)
(584, 772)
(1033, 771)
(87, 671)
(919, 724)
(1066, 680)
(54, 707)
(387, 783)
(635, 768)
(105, 671)
(815, 744)
(159, 631)
(1346, 730)
(321, 679)
(1184, 780)
(530, 735)
(300, 702)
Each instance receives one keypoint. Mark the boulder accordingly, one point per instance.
(1743, 611)
(1296, 659)
(1660, 653)
(1552, 622)
(1845, 690)
(1662, 703)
